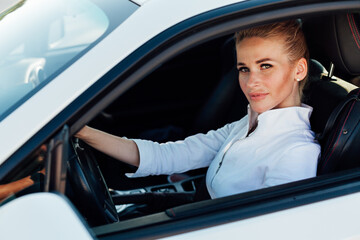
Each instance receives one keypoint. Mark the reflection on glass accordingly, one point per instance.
(8, 6)
(29, 180)
(39, 37)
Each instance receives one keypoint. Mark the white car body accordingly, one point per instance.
(44, 214)
(48, 215)
(322, 220)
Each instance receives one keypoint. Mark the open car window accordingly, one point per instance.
(169, 104)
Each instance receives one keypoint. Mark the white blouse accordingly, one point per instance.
(281, 149)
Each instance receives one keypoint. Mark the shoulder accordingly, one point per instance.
(300, 139)
(243, 122)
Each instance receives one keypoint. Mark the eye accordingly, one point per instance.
(244, 69)
(265, 66)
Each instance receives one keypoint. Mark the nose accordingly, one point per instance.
(253, 79)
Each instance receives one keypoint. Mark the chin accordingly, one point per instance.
(259, 108)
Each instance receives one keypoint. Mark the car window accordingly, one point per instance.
(43, 37)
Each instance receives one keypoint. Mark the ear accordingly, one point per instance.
(301, 69)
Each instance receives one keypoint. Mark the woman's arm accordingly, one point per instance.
(16, 186)
(193, 152)
(153, 158)
(119, 148)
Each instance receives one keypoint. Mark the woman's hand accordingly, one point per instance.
(16, 186)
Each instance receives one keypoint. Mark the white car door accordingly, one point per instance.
(42, 216)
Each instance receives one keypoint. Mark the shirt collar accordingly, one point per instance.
(253, 118)
(297, 117)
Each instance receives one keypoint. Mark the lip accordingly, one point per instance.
(258, 96)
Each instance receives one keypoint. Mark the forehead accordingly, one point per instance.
(255, 47)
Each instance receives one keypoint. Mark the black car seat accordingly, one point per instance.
(335, 41)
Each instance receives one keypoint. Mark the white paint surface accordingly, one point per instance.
(333, 219)
(41, 216)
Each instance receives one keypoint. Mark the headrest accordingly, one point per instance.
(322, 95)
(338, 38)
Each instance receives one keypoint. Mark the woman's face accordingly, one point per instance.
(266, 76)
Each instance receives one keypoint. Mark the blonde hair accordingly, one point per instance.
(294, 40)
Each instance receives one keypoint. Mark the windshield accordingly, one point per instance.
(40, 38)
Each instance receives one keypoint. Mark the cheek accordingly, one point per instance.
(279, 82)
(242, 82)
(283, 89)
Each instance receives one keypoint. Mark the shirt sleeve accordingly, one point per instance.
(196, 151)
(297, 163)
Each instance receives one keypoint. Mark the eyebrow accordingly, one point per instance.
(257, 62)
(263, 60)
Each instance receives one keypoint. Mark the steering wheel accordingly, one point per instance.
(88, 190)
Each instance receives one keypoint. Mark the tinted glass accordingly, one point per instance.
(40, 38)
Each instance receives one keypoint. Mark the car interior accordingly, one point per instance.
(157, 109)
(194, 92)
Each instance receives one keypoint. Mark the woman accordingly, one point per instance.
(272, 145)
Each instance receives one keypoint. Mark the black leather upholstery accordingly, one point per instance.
(341, 137)
(323, 94)
(337, 37)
